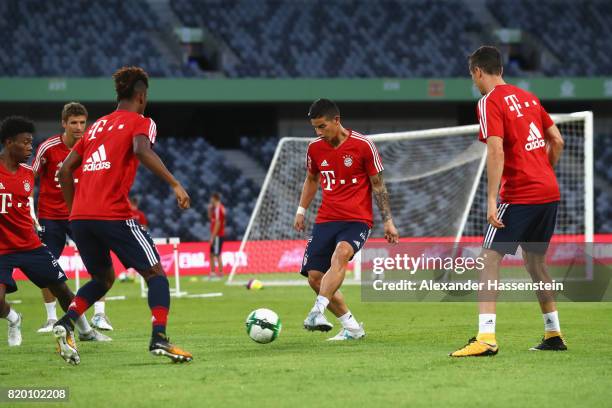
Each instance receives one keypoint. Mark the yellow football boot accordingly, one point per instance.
(477, 347)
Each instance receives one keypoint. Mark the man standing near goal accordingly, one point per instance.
(349, 169)
(52, 211)
(523, 145)
(216, 214)
(101, 218)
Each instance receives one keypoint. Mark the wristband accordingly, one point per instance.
(301, 211)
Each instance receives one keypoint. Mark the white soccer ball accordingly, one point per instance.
(263, 325)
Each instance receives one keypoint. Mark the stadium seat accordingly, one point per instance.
(579, 54)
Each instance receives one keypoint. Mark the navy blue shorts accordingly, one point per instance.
(127, 239)
(325, 236)
(217, 246)
(38, 265)
(54, 235)
(529, 225)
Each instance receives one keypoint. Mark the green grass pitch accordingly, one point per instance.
(402, 362)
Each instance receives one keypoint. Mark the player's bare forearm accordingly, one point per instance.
(495, 168)
(33, 212)
(66, 179)
(150, 159)
(381, 195)
(309, 190)
(554, 144)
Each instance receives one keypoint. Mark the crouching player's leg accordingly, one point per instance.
(342, 239)
(8, 285)
(43, 270)
(135, 249)
(351, 329)
(67, 300)
(159, 303)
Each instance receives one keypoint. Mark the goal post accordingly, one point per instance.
(437, 185)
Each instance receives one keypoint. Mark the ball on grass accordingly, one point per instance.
(263, 325)
(254, 284)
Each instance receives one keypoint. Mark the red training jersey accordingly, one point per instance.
(16, 224)
(49, 158)
(519, 118)
(109, 166)
(345, 177)
(218, 213)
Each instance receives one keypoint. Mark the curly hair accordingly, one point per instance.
(129, 80)
(73, 109)
(14, 125)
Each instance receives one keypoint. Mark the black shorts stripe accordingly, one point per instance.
(150, 253)
(529, 225)
(492, 230)
(95, 240)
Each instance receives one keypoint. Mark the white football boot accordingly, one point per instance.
(14, 332)
(100, 321)
(47, 327)
(349, 334)
(316, 321)
(94, 335)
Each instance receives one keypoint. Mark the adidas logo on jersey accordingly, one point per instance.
(324, 164)
(1, 186)
(535, 139)
(97, 161)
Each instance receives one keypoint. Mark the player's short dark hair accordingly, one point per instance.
(14, 125)
(216, 195)
(73, 109)
(129, 80)
(323, 108)
(487, 58)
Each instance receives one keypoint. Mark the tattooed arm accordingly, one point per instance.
(382, 200)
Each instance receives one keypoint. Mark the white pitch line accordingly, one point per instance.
(205, 295)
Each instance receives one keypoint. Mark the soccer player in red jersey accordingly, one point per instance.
(217, 234)
(137, 214)
(349, 169)
(20, 246)
(523, 146)
(100, 214)
(52, 211)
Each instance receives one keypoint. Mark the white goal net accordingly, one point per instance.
(437, 186)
